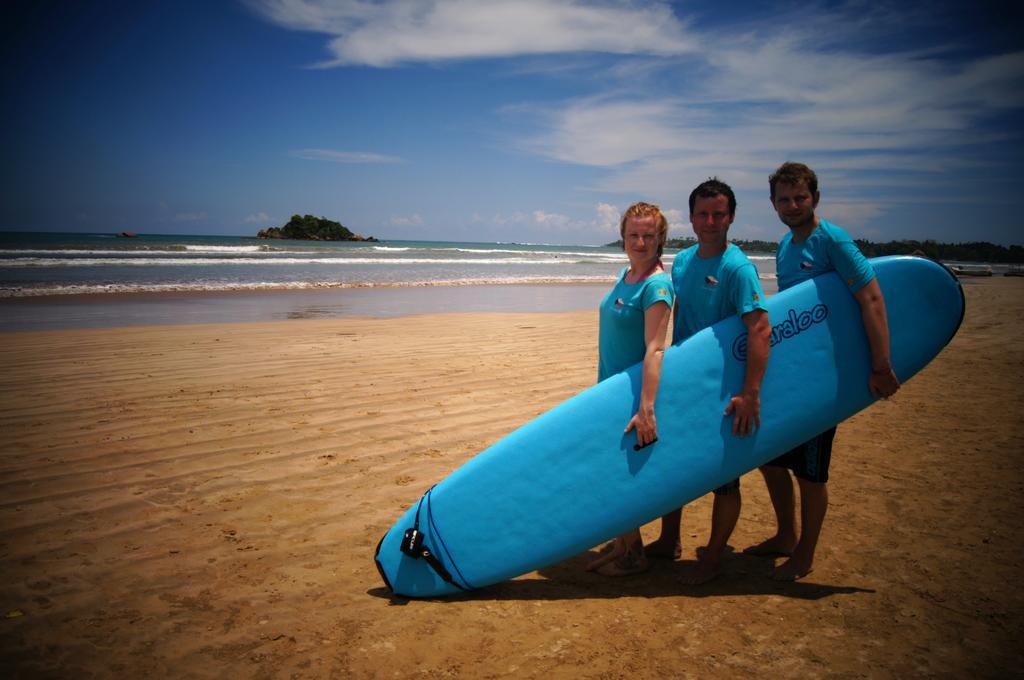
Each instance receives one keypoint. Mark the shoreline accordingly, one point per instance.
(133, 309)
(156, 289)
(115, 310)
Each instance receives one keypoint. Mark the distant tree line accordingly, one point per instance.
(980, 251)
(754, 246)
(309, 228)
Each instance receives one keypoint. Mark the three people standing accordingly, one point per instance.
(710, 281)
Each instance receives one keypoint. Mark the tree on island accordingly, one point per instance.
(309, 228)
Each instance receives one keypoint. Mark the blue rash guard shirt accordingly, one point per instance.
(709, 290)
(828, 248)
(622, 342)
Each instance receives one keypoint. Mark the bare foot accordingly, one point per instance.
(773, 547)
(662, 549)
(791, 570)
(702, 571)
(609, 552)
(625, 565)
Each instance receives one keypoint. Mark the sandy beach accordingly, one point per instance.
(203, 501)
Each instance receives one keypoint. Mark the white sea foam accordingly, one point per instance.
(540, 253)
(73, 251)
(228, 249)
(169, 250)
(212, 261)
(187, 265)
(595, 254)
(113, 288)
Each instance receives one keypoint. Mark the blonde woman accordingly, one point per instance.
(633, 323)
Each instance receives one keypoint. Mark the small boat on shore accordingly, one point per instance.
(971, 269)
(1015, 270)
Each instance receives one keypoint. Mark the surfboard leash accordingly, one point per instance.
(414, 545)
(440, 540)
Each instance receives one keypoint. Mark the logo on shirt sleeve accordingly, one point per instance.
(756, 297)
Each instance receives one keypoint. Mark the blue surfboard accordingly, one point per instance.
(569, 479)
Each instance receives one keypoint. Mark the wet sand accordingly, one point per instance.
(69, 312)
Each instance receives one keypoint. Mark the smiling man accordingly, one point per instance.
(813, 247)
(714, 280)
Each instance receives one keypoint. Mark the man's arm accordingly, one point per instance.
(746, 406)
(883, 381)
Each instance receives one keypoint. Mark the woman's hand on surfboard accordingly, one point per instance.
(645, 425)
(746, 413)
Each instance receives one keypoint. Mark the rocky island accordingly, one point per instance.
(309, 228)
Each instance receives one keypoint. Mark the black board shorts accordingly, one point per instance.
(811, 459)
(728, 488)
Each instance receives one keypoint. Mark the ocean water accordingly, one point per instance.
(51, 281)
(38, 264)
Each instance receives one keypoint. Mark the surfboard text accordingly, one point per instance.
(794, 324)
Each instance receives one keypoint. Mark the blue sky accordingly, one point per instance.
(493, 120)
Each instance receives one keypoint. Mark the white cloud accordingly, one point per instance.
(602, 132)
(190, 217)
(401, 31)
(605, 221)
(412, 221)
(165, 210)
(551, 220)
(257, 218)
(514, 218)
(608, 217)
(763, 101)
(857, 213)
(676, 218)
(343, 156)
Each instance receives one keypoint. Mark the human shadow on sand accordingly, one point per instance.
(568, 580)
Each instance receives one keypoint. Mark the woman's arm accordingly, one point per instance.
(655, 326)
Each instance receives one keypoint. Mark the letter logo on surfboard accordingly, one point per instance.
(794, 324)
